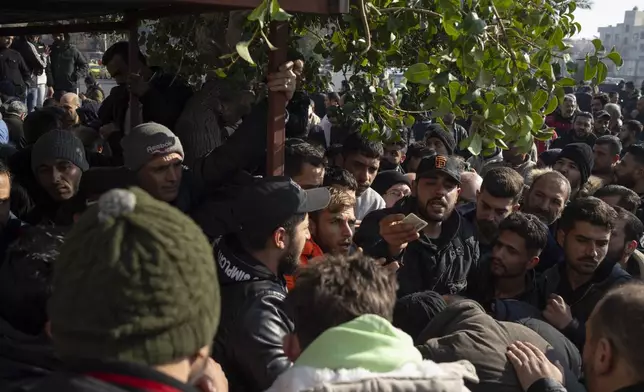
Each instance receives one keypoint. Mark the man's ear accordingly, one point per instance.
(402, 159)
(630, 248)
(516, 207)
(532, 263)
(279, 238)
(561, 236)
(616, 158)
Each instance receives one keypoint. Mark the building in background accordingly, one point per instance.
(628, 38)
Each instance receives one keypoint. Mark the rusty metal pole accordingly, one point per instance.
(276, 103)
(135, 105)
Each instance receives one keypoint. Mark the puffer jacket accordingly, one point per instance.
(248, 344)
(369, 354)
(24, 359)
(424, 264)
(582, 301)
(464, 331)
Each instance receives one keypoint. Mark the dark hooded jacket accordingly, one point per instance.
(562, 142)
(440, 265)
(582, 301)
(464, 331)
(526, 314)
(248, 344)
(68, 66)
(24, 359)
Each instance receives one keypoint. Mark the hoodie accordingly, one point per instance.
(24, 359)
(367, 354)
(464, 331)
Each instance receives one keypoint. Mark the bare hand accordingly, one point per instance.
(557, 312)
(392, 267)
(213, 379)
(137, 85)
(531, 364)
(397, 234)
(50, 92)
(283, 81)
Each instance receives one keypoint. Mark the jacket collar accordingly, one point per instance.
(237, 266)
(130, 376)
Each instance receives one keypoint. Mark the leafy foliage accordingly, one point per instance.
(493, 62)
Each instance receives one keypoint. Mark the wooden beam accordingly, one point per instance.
(276, 135)
(135, 104)
(64, 28)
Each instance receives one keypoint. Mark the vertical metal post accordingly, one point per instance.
(276, 103)
(135, 105)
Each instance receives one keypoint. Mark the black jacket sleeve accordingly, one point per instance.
(368, 235)
(80, 65)
(24, 70)
(258, 343)
(546, 385)
(244, 148)
(165, 107)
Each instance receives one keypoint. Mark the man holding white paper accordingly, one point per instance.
(437, 256)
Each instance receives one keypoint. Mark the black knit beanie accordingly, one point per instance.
(582, 155)
(135, 282)
(435, 130)
(413, 312)
(549, 157)
(58, 144)
(388, 178)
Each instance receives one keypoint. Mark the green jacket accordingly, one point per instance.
(369, 354)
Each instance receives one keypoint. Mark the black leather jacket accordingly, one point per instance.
(440, 265)
(248, 345)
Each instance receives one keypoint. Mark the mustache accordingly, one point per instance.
(438, 200)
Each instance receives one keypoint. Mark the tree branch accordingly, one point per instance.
(419, 10)
(365, 22)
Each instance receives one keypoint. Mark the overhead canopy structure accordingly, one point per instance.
(85, 12)
(49, 10)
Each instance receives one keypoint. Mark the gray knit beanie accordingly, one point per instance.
(147, 140)
(58, 144)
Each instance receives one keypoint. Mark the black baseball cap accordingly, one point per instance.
(601, 114)
(430, 166)
(269, 202)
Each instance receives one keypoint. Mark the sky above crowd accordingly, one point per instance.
(603, 13)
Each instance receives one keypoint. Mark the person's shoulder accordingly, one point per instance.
(69, 382)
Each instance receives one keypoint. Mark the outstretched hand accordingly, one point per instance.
(531, 364)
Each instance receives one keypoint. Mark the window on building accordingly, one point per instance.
(627, 28)
(608, 37)
(642, 35)
(641, 47)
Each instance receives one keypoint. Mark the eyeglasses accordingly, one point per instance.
(398, 193)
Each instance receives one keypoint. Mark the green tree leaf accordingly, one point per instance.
(597, 43)
(539, 99)
(615, 57)
(277, 13)
(476, 144)
(567, 82)
(450, 28)
(552, 106)
(589, 70)
(418, 73)
(259, 13)
(602, 72)
(242, 50)
(454, 88)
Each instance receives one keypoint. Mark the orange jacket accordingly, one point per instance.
(310, 251)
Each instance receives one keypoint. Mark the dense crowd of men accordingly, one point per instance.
(403, 265)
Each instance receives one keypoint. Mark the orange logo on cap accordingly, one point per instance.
(440, 162)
